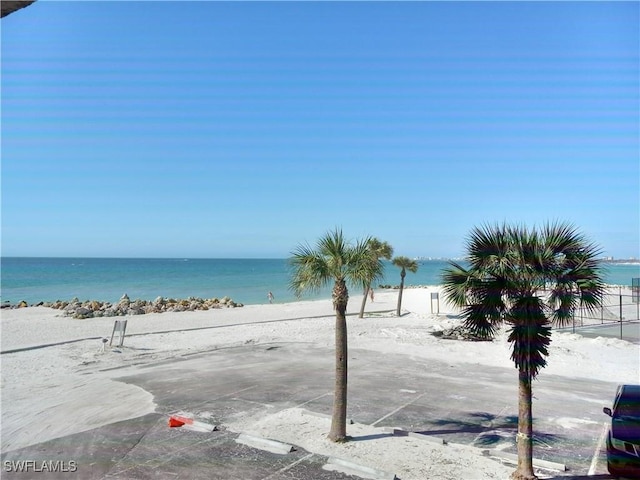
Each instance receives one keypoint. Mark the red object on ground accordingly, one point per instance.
(175, 422)
(182, 419)
(190, 424)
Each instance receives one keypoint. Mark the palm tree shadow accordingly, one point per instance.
(475, 423)
(489, 428)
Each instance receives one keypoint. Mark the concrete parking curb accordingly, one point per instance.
(399, 432)
(348, 467)
(509, 457)
(264, 444)
(538, 463)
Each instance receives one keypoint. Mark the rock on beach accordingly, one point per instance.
(125, 306)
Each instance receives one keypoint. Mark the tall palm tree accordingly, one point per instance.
(531, 280)
(405, 264)
(378, 250)
(335, 259)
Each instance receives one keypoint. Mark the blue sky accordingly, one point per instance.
(241, 129)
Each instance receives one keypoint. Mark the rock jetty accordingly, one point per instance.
(125, 306)
(460, 332)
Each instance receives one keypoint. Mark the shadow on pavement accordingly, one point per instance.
(473, 424)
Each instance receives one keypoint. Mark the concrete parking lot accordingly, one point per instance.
(460, 403)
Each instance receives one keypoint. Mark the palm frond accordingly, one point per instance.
(487, 247)
(530, 335)
(309, 271)
(455, 280)
(480, 321)
(333, 246)
(563, 238)
(406, 263)
(361, 267)
(380, 249)
(491, 292)
(563, 301)
(334, 259)
(576, 274)
(530, 347)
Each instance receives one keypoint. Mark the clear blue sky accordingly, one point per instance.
(224, 129)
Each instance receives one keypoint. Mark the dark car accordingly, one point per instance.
(623, 441)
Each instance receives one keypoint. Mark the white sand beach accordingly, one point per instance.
(41, 387)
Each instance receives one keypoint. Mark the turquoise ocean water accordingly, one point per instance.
(244, 280)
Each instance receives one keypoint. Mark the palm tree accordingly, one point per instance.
(530, 280)
(379, 250)
(405, 264)
(335, 259)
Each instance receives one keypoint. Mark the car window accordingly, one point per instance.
(629, 407)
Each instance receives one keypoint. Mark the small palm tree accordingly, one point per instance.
(334, 259)
(379, 250)
(530, 280)
(405, 264)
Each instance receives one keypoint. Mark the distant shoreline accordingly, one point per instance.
(246, 281)
(176, 305)
(186, 259)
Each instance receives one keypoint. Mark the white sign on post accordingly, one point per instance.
(120, 327)
(436, 297)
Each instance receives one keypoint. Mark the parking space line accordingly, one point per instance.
(596, 454)
(236, 392)
(253, 402)
(288, 467)
(154, 463)
(312, 400)
(397, 409)
(222, 396)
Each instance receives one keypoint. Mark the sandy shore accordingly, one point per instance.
(36, 382)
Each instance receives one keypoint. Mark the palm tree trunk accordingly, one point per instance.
(338, 432)
(402, 275)
(364, 301)
(525, 429)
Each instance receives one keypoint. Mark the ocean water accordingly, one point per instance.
(246, 281)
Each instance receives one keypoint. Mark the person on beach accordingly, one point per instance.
(270, 297)
(371, 293)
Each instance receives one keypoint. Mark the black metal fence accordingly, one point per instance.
(619, 304)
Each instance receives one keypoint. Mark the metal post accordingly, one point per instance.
(620, 317)
(581, 321)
